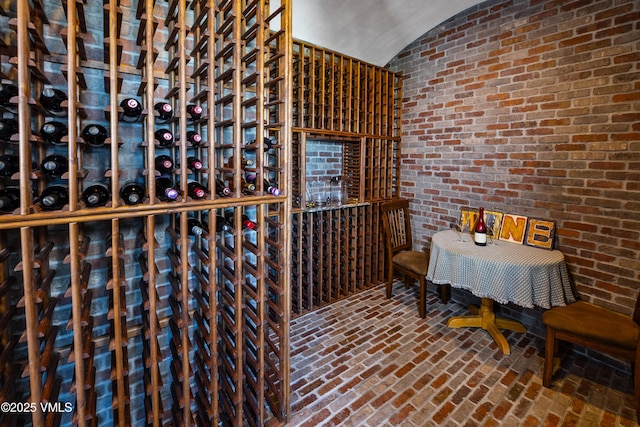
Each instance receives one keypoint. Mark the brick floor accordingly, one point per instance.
(369, 361)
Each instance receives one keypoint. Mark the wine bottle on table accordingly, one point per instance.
(96, 195)
(164, 137)
(132, 193)
(164, 164)
(54, 165)
(9, 164)
(480, 231)
(165, 190)
(164, 110)
(51, 100)
(196, 190)
(94, 135)
(54, 198)
(53, 132)
(9, 199)
(131, 110)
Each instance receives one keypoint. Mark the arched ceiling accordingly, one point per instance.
(373, 31)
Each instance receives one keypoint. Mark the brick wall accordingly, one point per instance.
(532, 107)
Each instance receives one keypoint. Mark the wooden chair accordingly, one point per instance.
(401, 258)
(594, 327)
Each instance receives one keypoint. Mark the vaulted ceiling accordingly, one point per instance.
(370, 30)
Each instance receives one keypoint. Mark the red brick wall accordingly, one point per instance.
(532, 107)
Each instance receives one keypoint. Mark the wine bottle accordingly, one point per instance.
(266, 142)
(53, 132)
(9, 199)
(96, 195)
(165, 190)
(9, 164)
(222, 189)
(480, 231)
(221, 223)
(8, 128)
(197, 228)
(194, 138)
(132, 193)
(270, 188)
(95, 135)
(54, 198)
(194, 163)
(54, 165)
(164, 137)
(164, 110)
(244, 163)
(196, 190)
(6, 93)
(194, 111)
(51, 100)
(245, 186)
(131, 110)
(246, 222)
(164, 164)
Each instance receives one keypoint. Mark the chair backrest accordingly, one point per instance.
(397, 225)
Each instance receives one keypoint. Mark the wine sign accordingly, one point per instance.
(513, 228)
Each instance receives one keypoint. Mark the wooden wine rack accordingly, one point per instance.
(337, 249)
(144, 321)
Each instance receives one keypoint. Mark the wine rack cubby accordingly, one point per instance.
(346, 138)
(163, 305)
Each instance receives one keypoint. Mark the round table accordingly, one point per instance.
(503, 272)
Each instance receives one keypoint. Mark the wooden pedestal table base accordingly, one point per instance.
(487, 320)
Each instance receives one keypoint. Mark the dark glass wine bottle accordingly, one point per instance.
(196, 190)
(266, 142)
(194, 163)
(164, 137)
(244, 163)
(197, 228)
(194, 138)
(9, 199)
(480, 231)
(6, 93)
(164, 164)
(8, 128)
(54, 198)
(165, 190)
(164, 110)
(221, 223)
(246, 222)
(96, 195)
(53, 132)
(51, 100)
(222, 189)
(9, 164)
(131, 110)
(54, 165)
(95, 135)
(269, 188)
(132, 193)
(194, 111)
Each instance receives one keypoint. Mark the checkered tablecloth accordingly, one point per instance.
(505, 272)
